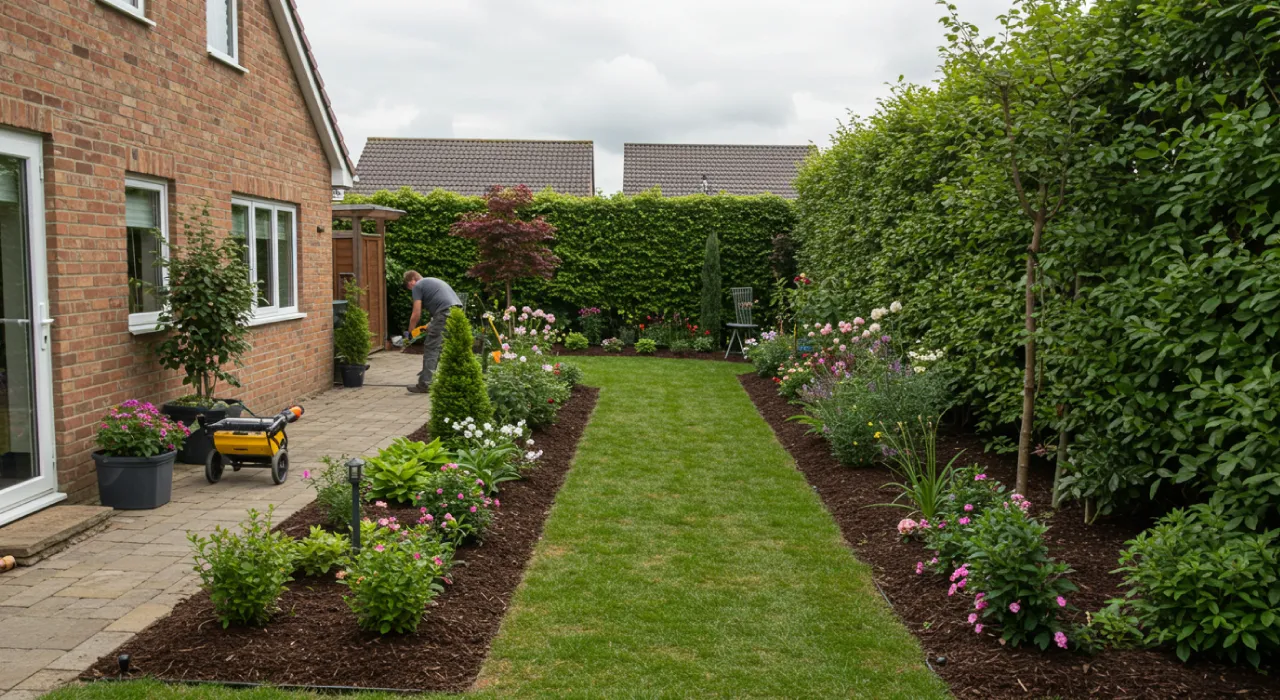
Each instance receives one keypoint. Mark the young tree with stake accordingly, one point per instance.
(509, 247)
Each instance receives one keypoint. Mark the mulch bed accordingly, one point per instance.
(314, 640)
(977, 666)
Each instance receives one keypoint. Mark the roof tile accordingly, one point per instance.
(472, 166)
(678, 169)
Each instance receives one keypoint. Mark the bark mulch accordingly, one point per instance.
(314, 640)
(977, 666)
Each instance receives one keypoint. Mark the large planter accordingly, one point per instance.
(198, 445)
(352, 375)
(135, 483)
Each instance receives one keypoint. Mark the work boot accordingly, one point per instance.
(419, 389)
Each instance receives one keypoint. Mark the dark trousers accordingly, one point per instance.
(432, 344)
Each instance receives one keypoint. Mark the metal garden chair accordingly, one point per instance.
(742, 325)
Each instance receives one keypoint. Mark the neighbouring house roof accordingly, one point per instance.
(472, 166)
(303, 60)
(678, 169)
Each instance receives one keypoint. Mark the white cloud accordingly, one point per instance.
(746, 71)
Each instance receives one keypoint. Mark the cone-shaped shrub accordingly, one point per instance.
(352, 340)
(458, 389)
(711, 295)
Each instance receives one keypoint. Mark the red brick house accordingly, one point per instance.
(115, 117)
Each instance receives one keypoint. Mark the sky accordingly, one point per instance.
(659, 71)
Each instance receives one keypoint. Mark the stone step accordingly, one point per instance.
(47, 532)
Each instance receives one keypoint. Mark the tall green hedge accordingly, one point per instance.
(629, 255)
(1164, 367)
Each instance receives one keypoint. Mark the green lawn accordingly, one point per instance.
(685, 556)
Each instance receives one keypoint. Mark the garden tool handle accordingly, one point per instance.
(289, 415)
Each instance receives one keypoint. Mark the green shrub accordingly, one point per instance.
(351, 339)
(712, 301)
(321, 551)
(333, 491)
(458, 390)
(454, 503)
(704, 344)
(403, 469)
(575, 341)
(646, 346)
(244, 573)
(568, 373)
(1200, 582)
(394, 577)
(681, 345)
(769, 353)
(1015, 583)
(524, 391)
(592, 321)
(611, 345)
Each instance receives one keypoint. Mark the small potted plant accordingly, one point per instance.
(352, 340)
(136, 448)
(205, 307)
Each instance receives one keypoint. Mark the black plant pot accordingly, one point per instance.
(135, 483)
(198, 445)
(352, 375)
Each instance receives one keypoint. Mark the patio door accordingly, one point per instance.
(28, 481)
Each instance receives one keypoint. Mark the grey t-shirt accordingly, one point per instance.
(435, 295)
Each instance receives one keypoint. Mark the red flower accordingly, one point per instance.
(551, 400)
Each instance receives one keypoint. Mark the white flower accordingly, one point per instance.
(468, 434)
(508, 356)
(488, 426)
(532, 456)
(866, 334)
(528, 443)
(523, 358)
(548, 368)
(874, 328)
(918, 369)
(877, 314)
(895, 307)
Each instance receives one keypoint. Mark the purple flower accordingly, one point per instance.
(1062, 602)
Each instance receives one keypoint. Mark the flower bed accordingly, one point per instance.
(977, 665)
(630, 351)
(315, 641)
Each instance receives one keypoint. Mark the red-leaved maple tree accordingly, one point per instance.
(510, 248)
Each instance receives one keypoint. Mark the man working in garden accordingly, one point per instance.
(435, 297)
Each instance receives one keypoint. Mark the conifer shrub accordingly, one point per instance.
(458, 391)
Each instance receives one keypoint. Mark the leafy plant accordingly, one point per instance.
(575, 341)
(681, 346)
(1200, 582)
(704, 344)
(493, 453)
(509, 247)
(525, 391)
(320, 552)
(205, 307)
(244, 573)
(394, 577)
(611, 345)
(454, 502)
(459, 386)
(333, 491)
(712, 295)
(591, 319)
(137, 429)
(913, 455)
(351, 338)
(403, 469)
(769, 352)
(568, 373)
(646, 346)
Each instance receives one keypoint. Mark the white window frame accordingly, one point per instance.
(233, 37)
(147, 321)
(271, 314)
(139, 13)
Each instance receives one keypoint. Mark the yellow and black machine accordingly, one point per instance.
(250, 442)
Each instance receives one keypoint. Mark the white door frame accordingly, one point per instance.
(34, 494)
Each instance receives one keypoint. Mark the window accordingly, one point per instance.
(134, 8)
(222, 30)
(146, 222)
(267, 232)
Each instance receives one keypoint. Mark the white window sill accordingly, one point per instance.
(222, 57)
(142, 327)
(276, 318)
(143, 323)
(129, 10)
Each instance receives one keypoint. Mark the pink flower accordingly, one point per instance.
(428, 516)
(973, 618)
(977, 629)
(952, 590)
(436, 561)
(968, 507)
(417, 555)
(933, 560)
(906, 526)
(439, 491)
(979, 477)
(961, 572)
(979, 604)
(383, 522)
(380, 504)
(496, 503)
(919, 568)
(306, 473)
(340, 575)
(963, 521)
(1060, 639)
(460, 497)
(473, 509)
(1062, 602)
(1015, 606)
(378, 548)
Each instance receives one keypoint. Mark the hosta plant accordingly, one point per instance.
(575, 341)
(404, 469)
(244, 573)
(646, 346)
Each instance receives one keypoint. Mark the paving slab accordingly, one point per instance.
(46, 532)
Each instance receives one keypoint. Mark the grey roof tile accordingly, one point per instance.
(678, 169)
(472, 166)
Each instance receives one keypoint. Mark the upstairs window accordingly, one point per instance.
(267, 233)
(146, 221)
(222, 30)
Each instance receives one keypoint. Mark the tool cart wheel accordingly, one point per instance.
(280, 467)
(213, 466)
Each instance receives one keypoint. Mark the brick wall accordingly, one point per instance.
(113, 96)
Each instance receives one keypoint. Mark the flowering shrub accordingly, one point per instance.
(494, 454)
(591, 320)
(403, 469)
(394, 577)
(663, 329)
(454, 502)
(1016, 584)
(244, 573)
(611, 345)
(333, 491)
(525, 390)
(646, 346)
(527, 332)
(321, 551)
(1205, 584)
(705, 343)
(138, 429)
(568, 373)
(971, 494)
(575, 341)
(768, 353)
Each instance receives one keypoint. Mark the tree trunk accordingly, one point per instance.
(1026, 434)
(1063, 440)
(508, 294)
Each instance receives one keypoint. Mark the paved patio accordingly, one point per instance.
(59, 616)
